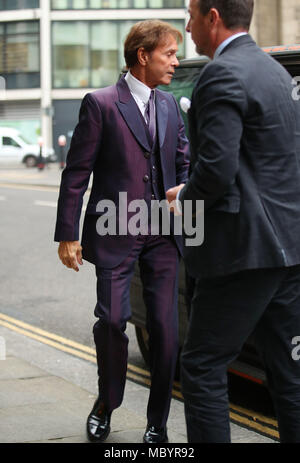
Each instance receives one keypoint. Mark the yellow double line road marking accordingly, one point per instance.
(51, 339)
(238, 415)
(65, 345)
(23, 186)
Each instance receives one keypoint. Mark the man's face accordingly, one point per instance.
(161, 62)
(198, 26)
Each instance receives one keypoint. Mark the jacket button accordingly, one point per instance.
(146, 178)
(147, 155)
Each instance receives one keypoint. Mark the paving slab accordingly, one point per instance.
(46, 395)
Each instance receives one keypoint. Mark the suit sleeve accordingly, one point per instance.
(182, 152)
(218, 106)
(80, 161)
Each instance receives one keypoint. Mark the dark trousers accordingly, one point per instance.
(158, 260)
(225, 311)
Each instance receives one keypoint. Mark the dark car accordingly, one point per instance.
(248, 364)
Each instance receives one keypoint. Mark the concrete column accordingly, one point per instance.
(265, 23)
(46, 73)
(290, 16)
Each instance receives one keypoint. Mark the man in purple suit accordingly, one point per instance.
(131, 137)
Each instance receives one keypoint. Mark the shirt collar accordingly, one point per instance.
(137, 88)
(227, 42)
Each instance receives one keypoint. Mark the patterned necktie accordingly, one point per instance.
(150, 115)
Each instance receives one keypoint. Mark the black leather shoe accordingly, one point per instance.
(154, 435)
(98, 423)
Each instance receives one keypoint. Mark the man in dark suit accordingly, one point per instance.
(244, 134)
(135, 153)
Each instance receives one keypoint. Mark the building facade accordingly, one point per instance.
(52, 52)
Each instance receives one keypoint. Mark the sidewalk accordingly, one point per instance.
(46, 394)
(49, 176)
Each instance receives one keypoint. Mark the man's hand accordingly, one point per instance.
(70, 254)
(171, 195)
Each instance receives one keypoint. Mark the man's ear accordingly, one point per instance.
(142, 56)
(214, 16)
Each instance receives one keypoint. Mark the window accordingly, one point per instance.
(104, 53)
(19, 51)
(71, 61)
(18, 4)
(116, 4)
(7, 141)
(90, 53)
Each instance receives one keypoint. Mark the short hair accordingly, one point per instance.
(234, 13)
(147, 34)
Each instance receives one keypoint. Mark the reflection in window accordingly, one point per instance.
(60, 4)
(104, 53)
(79, 4)
(7, 141)
(117, 4)
(90, 53)
(18, 4)
(70, 54)
(19, 51)
(179, 24)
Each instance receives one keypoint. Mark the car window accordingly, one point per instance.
(8, 141)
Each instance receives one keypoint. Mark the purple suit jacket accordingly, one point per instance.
(110, 141)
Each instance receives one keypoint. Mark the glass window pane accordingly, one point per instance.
(104, 53)
(140, 4)
(109, 3)
(179, 24)
(124, 3)
(125, 27)
(22, 53)
(174, 3)
(79, 4)
(22, 27)
(1, 54)
(59, 4)
(71, 54)
(18, 4)
(95, 3)
(7, 141)
(156, 3)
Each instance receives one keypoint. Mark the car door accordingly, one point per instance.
(10, 150)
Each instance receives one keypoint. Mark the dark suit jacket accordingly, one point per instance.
(244, 134)
(111, 142)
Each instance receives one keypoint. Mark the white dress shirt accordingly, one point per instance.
(139, 91)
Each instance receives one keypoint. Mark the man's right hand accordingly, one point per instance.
(70, 254)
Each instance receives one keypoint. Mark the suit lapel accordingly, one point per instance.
(131, 114)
